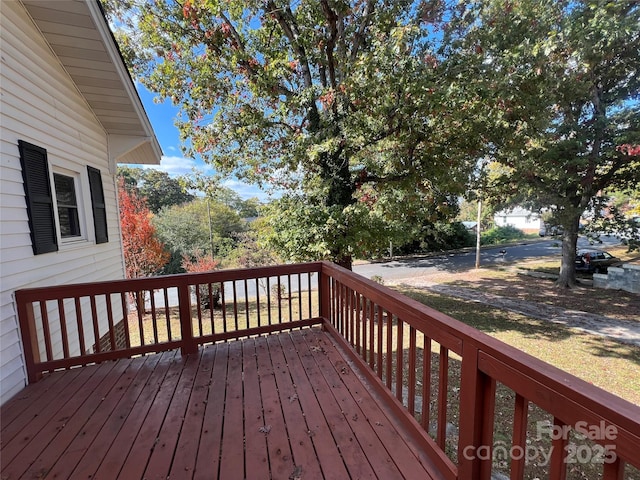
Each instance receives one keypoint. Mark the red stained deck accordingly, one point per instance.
(284, 406)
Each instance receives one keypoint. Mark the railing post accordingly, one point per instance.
(477, 401)
(189, 345)
(27, 321)
(324, 289)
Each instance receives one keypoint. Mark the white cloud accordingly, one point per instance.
(246, 190)
(175, 165)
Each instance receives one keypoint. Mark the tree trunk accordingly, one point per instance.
(345, 261)
(567, 277)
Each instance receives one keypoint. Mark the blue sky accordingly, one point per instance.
(162, 117)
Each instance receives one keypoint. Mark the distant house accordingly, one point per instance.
(520, 218)
(70, 113)
(470, 226)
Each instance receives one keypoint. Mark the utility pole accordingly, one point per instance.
(478, 232)
(210, 230)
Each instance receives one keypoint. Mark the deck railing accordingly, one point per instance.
(477, 407)
(485, 407)
(70, 325)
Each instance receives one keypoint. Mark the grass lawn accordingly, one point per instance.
(610, 365)
(605, 363)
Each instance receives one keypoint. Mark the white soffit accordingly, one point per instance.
(79, 35)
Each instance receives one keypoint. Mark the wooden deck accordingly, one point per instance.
(284, 406)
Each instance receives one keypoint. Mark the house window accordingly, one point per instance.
(54, 204)
(67, 206)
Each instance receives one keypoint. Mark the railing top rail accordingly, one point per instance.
(166, 281)
(428, 320)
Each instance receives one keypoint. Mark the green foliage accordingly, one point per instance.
(252, 250)
(158, 188)
(446, 236)
(304, 229)
(440, 236)
(185, 230)
(498, 235)
(323, 99)
(558, 83)
(211, 186)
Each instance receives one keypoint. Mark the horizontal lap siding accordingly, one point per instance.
(41, 105)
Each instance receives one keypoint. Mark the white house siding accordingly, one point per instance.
(519, 218)
(42, 106)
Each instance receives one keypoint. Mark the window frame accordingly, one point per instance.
(41, 196)
(79, 213)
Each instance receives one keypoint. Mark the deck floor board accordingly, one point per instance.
(283, 406)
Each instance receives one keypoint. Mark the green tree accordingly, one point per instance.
(196, 228)
(157, 187)
(335, 101)
(161, 190)
(558, 82)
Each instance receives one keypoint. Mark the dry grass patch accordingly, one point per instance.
(610, 365)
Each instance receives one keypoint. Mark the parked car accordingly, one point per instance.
(595, 261)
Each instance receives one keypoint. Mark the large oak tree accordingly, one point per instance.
(341, 103)
(559, 82)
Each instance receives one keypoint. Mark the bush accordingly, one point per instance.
(497, 235)
(446, 236)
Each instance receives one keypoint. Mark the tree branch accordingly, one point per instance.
(332, 20)
(359, 36)
(288, 24)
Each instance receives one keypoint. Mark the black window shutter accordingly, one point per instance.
(99, 207)
(37, 188)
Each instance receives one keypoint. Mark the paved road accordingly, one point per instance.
(413, 267)
(452, 262)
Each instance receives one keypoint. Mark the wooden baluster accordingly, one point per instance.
(63, 328)
(399, 359)
(94, 320)
(224, 307)
(154, 319)
(557, 466)
(246, 302)
(112, 333)
(613, 467)
(199, 308)
(140, 313)
(389, 348)
(289, 296)
(443, 391)
(372, 323)
(258, 302)
(520, 416)
(167, 315)
(299, 296)
(358, 321)
(412, 371)
(211, 308)
(279, 298)
(380, 320)
(426, 383)
(125, 320)
(310, 307)
(268, 293)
